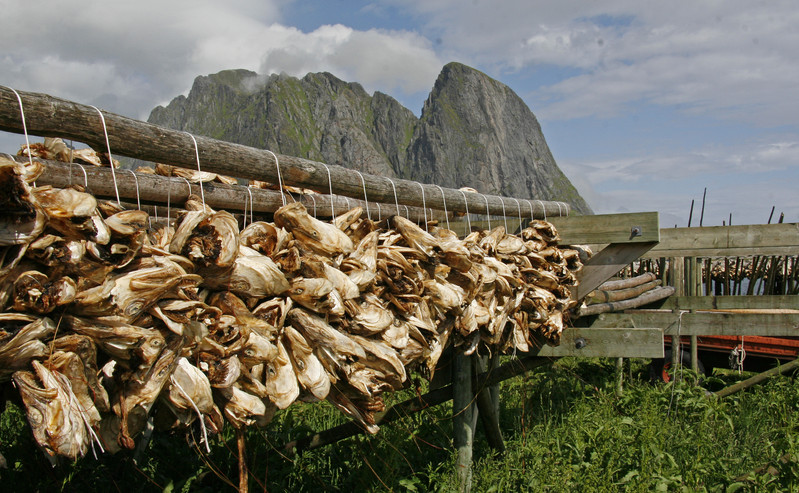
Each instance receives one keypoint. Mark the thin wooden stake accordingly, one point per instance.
(241, 445)
(462, 415)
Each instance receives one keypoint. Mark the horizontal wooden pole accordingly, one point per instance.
(49, 116)
(705, 323)
(607, 343)
(636, 227)
(157, 189)
(607, 263)
(760, 377)
(728, 241)
(650, 296)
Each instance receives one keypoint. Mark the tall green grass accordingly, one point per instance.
(565, 430)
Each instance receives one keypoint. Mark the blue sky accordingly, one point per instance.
(644, 104)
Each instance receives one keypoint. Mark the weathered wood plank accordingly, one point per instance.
(730, 241)
(636, 227)
(705, 323)
(49, 116)
(607, 342)
(730, 302)
(607, 263)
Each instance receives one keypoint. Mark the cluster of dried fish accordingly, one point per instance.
(106, 325)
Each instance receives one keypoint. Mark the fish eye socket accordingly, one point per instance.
(249, 352)
(299, 291)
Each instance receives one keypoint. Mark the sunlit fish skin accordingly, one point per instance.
(320, 237)
(252, 274)
(310, 372)
(189, 391)
(339, 347)
(72, 213)
(415, 236)
(311, 293)
(280, 379)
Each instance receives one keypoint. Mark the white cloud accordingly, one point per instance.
(135, 55)
(387, 60)
(733, 59)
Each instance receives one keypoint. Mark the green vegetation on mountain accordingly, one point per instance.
(474, 131)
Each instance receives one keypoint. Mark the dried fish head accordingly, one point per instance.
(189, 389)
(320, 237)
(21, 337)
(72, 213)
(87, 352)
(311, 375)
(252, 275)
(416, 237)
(213, 242)
(122, 341)
(264, 237)
(244, 409)
(35, 292)
(52, 412)
(335, 348)
(53, 251)
(372, 316)
(312, 293)
(346, 287)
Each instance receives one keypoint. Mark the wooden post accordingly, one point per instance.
(619, 376)
(462, 417)
(485, 407)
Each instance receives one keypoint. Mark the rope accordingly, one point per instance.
(444, 198)
(110, 158)
(488, 215)
(468, 221)
(24, 125)
(330, 184)
(280, 179)
(424, 206)
(363, 182)
(136, 179)
(197, 154)
(395, 195)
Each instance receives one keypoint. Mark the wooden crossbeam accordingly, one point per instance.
(607, 343)
(705, 323)
(728, 241)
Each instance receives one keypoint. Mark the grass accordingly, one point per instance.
(565, 429)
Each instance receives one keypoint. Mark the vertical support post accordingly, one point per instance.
(693, 290)
(462, 419)
(619, 376)
(485, 408)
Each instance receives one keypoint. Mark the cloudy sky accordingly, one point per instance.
(644, 104)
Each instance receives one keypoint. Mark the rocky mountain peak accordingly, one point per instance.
(473, 131)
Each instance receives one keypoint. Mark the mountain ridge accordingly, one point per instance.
(473, 130)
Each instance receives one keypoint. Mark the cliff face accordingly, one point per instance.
(474, 131)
